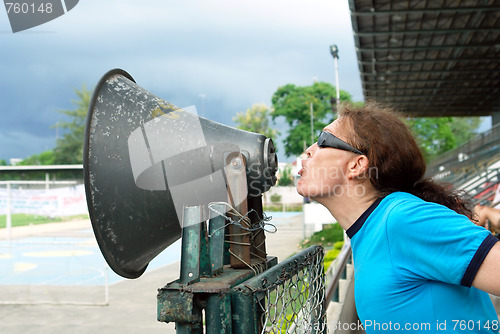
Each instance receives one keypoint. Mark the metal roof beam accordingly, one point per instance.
(440, 89)
(393, 73)
(427, 10)
(416, 61)
(424, 32)
(459, 99)
(413, 99)
(426, 47)
(431, 98)
(430, 81)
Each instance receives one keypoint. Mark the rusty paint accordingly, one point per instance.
(175, 306)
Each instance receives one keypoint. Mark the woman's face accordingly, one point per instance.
(323, 172)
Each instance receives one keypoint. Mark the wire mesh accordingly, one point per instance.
(294, 302)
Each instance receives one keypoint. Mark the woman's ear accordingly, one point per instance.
(358, 167)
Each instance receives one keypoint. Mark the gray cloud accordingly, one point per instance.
(236, 53)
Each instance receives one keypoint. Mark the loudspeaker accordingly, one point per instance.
(146, 159)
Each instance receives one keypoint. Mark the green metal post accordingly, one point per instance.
(216, 231)
(191, 245)
(191, 328)
(205, 263)
(218, 314)
(243, 310)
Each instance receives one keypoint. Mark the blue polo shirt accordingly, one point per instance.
(414, 263)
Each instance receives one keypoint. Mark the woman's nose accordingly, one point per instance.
(311, 150)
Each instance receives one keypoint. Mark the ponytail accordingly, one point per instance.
(445, 194)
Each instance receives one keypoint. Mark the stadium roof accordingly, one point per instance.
(430, 58)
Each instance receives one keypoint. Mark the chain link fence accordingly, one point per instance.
(288, 298)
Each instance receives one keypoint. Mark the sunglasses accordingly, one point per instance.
(326, 139)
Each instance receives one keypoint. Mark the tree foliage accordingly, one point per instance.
(294, 103)
(256, 119)
(437, 135)
(286, 178)
(44, 158)
(69, 148)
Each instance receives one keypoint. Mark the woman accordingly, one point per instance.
(420, 264)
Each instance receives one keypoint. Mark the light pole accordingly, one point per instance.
(312, 122)
(334, 50)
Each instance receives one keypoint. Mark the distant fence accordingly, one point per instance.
(49, 201)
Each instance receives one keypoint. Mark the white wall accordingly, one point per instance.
(289, 195)
(317, 215)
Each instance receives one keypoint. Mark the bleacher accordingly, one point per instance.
(473, 166)
(476, 154)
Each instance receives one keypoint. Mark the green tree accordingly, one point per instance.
(465, 128)
(294, 103)
(69, 148)
(44, 158)
(256, 119)
(286, 178)
(437, 135)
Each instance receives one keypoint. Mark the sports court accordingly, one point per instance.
(41, 266)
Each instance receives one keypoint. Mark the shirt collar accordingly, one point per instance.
(351, 231)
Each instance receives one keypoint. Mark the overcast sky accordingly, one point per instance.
(236, 53)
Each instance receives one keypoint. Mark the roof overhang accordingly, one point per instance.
(429, 60)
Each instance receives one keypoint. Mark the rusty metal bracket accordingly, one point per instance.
(176, 305)
(240, 241)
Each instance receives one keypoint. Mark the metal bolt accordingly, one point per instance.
(236, 163)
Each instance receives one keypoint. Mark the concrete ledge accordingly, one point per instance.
(342, 316)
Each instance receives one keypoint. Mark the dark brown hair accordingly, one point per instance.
(395, 156)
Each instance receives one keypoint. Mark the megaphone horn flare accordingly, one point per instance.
(145, 159)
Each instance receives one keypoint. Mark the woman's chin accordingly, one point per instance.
(300, 192)
(302, 189)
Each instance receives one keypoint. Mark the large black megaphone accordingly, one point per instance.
(146, 159)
